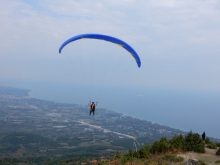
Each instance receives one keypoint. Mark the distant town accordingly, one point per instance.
(20, 112)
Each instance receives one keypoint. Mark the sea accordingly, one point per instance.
(195, 111)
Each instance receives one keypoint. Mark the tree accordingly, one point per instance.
(144, 152)
(161, 146)
(178, 142)
(194, 143)
(117, 155)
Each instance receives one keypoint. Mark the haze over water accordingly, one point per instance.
(196, 111)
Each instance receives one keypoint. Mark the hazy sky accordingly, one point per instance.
(178, 41)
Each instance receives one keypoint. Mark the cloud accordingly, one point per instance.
(166, 34)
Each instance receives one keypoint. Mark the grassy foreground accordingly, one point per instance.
(207, 158)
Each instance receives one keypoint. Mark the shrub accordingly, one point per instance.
(124, 160)
(210, 144)
(218, 152)
(207, 141)
(144, 152)
(218, 161)
(155, 147)
(161, 146)
(194, 143)
(129, 156)
(178, 142)
(117, 155)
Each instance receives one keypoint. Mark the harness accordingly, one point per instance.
(92, 106)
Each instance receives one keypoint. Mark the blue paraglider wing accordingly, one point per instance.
(106, 38)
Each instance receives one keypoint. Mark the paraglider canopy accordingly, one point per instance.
(106, 38)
